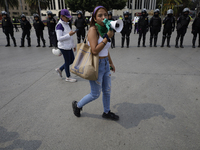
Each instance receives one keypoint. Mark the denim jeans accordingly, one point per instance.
(69, 58)
(102, 83)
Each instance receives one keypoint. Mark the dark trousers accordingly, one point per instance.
(142, 33)
(195, 37)
(26, 33)
(126, 34)
(154, 35)
(52, 38)
(11, 33)
(80, 33)
(39, 34)
(180, 34)
(68, 56)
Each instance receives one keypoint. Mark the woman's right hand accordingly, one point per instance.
(110, 33)
(72, 33)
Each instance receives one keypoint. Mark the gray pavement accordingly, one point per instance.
(155, 91)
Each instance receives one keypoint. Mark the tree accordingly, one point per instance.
(89, 5)
(11, 3)
(33, 4)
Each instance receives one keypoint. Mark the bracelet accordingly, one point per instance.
(106, 36)
(103, 43)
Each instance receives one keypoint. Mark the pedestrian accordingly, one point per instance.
(7, 28)
(182, 25)
(65, 43)
(80, 24)
(15, 21)
(98, 39)
(26, 27)
(39, 27)
(120, 17)
(143, 26)
(155, 27)
(169, 25)
(51, 24)
(135, 22)
(110, 18)
(196, 30)
(126, 31)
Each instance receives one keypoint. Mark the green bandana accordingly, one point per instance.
(102, 29)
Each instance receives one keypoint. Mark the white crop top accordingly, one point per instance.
(104, 51)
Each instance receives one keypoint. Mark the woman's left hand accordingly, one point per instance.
(113, 67)
(74, 49)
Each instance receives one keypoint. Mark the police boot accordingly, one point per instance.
(139, 42)
(29, 42)
(163, 41)
(155, 41)
(177, 38)
(83, 38)
(181, 42)
(193, 42)
(151, 39)
(43, 43)
(113, 41)
(22, 43)
(122, 42)
(168, 41)
(78, 40)
(127, 42)
(144, 42)
(38, 41)
(8, 41)
(14, 41)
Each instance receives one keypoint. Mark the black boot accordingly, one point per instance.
(177, 38)
(181, 42)
(144, 42)
(22, 43)
(168, 41)
(14, 41)
(43, 43)
(29, 42)
(38, 41)
(122, 42)
(163, 41)
(193, 42)
(155, 41)
(151, 39)
(8, 41)
(127, 42)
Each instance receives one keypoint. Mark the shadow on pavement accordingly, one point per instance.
(132, 114)
(6, 136)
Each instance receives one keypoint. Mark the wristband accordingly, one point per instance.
(106, 36)
(103, 43)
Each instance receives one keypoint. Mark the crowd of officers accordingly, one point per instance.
(142, 26)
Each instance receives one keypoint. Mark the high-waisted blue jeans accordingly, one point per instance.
(102, 83)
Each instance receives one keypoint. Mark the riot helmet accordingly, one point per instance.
(170, 11)
(156, 12)
(186, 11)
(144, 12)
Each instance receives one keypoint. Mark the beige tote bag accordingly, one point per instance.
(86, 64)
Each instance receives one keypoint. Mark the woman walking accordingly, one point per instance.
(65, 43)
(99, 41)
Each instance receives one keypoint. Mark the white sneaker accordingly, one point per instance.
(70, 80)
(59, 72)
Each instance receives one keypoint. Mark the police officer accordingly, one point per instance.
(51, 23)
(155, 27)
(7, 28)
(169, 25)
(126, 29)
(182, 24)
(26, 27)
(110, 18)
(39, 27)
(143, 26)
(196, 30)
(80, 24)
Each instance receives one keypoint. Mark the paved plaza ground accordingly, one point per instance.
(155, 91)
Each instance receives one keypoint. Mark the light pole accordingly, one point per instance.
(39, 8)
(21, 7)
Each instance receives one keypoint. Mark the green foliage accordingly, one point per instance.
(89, 5)
(33, 4)
(11, 3)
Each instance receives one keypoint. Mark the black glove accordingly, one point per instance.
(172, 29)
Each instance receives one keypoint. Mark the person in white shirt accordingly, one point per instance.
(65, 43)
(135, 22)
